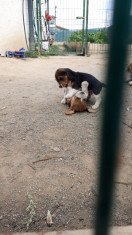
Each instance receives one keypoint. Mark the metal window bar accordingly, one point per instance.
(111, 123)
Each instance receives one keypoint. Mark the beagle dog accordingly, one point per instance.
(68, 78)
(77, 100)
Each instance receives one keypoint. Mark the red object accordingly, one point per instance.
(48, 17)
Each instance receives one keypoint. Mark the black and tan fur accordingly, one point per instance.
(67, 77)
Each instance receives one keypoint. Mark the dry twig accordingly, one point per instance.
(129, 183)
(45, 159)
(126, 124)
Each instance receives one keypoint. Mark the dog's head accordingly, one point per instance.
(66, 77)
(82, 95)
(78, 105)
(62, 78)
(129, 68)
(77, 102)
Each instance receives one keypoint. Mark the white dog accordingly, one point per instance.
(70, 92)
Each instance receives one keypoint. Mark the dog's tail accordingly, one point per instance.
(104, 85)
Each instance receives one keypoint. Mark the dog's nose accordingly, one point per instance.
(60, 86)
(82, 93)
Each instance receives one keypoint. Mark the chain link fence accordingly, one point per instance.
(77, 26)
(68, 29)
(82, 22)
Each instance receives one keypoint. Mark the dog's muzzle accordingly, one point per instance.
(60, 86)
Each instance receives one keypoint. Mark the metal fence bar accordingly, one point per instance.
(83, 26)
(86, 31)
(40, 24)
(112, 110)
(38, 29)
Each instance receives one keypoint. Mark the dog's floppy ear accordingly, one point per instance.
(71, 74)
(60, 72)
(74, 77)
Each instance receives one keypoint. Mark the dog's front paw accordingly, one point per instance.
(94, 106)
(63, 101)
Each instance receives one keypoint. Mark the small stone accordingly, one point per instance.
(49, 219)
(56, 149)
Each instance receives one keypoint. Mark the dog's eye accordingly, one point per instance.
(61, 79)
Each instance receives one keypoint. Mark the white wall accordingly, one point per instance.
(11, 25)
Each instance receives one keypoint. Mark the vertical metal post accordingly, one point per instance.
(48, 12)
(55, 21)
(37, 14)
(23, 6)
(40, 25)
(86, 30)
(112, 111)
(31, 30)
(83, 26)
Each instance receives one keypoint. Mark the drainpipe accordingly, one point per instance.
(40, 25)
(31, 29)
(37, 16)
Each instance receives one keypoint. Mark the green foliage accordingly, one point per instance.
(76, 36)
(44, 53)
(101, 36)
(36, 44)
(31, 209)
(31, 54)
(56, 50)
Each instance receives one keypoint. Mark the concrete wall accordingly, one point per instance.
(11, 25)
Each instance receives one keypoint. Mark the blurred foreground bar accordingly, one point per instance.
(112, 111)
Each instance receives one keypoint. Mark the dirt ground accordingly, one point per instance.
(33, 127)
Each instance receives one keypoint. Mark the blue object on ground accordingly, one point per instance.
(10, 54)
(20, 54)
(22, 49)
